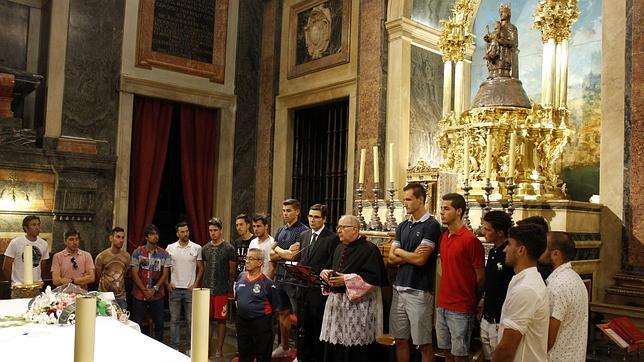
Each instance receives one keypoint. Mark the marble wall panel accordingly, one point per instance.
(92, 70)
(247, 91)
(430, 12)
(14, 28)
(425, 106)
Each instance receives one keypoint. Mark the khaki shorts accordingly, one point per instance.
(412, 313)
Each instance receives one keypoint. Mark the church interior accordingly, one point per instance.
(131, 112)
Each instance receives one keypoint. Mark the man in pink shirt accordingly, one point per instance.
(72, 265)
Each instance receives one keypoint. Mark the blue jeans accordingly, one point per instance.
(177, 299)
(155, 308)
(454, 331)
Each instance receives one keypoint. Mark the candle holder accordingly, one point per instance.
(363, 223)
(375, 223)
(466, 194)
(391, 223)
(488, 191)
(511, 186)
(26, 290)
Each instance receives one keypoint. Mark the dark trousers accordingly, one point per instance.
(155, 308)
(338, 353)
(311, 348)
(255, 339)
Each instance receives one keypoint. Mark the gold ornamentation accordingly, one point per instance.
(317, 32)
(554, 19)
(455, 35)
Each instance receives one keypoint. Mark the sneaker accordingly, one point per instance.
(280, 352)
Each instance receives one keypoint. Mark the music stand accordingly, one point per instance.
(302, 277)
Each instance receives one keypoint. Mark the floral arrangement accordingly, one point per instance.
(58, 306)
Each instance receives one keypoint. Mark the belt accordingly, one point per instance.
(490, 319)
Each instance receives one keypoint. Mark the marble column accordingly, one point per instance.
(447, 87)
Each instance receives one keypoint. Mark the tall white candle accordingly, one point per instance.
(375, 164)
(488, 156)
(27, 257)
(391, 163)
(200, 310)
(513, 146)
(363, 156)
(85, 329)
(466, 158)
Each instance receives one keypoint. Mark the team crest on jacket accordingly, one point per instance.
(256, 288)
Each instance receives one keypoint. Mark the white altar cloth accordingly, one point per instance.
(115, 341)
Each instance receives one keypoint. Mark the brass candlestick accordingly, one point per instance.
(391, 223)
(511, 186)
(466, 194)
(488, 191)
(375, 223)
(26, 290)
(363, 223)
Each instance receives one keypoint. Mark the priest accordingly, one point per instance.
(353, 311)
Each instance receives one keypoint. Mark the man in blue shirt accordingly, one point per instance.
(412, 302)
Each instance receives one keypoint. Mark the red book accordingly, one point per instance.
(625, 328)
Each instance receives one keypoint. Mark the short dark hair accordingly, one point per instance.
(532, 236)
(180, 224)
(27, 220)
(261, 217)
(216, 222)
(418, 190)
(71, 232)
(562, 241)
(291, 202)
(150, 229)
(319, 207)
(117, 229)
(499, 220)
(457, 200)
(536, 220)
(244, 217)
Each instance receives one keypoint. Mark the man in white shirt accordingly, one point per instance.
(568, 328)
(264, 242)
(13, 265)
(187, 270)
(523, 329)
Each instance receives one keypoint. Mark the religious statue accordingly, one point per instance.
(502, 86)
(502, 49)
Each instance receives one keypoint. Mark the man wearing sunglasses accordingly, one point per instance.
(72, 265)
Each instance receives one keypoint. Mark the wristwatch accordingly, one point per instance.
(156, 288)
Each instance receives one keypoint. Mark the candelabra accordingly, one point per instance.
(488, 191)
(363, 223)
(375, 223)
(466, 194)
(391, 223)
(511, 186)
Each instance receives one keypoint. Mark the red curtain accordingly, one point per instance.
(150, 134)
(199, 140)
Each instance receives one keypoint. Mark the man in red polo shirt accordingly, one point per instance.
(463, 264)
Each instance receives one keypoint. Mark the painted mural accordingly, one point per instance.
(425, 105)
(581, 159)
(429, 12)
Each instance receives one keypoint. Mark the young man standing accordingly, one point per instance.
(111, 266)
(13, 264)
(220, 269)
(523, 330)
(72, 265)
(412, 305)
(256, 300)
(285, 238)
(150, 268)
(497, 277)
(187, 269)
(568, 326)
(463, 280)
(243, 227)
(264, 242)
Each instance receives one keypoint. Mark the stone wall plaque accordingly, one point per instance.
(318, 35)
(187, 36)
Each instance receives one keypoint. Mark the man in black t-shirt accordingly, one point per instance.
(242, 224)
(497, 278)
(413, 250)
